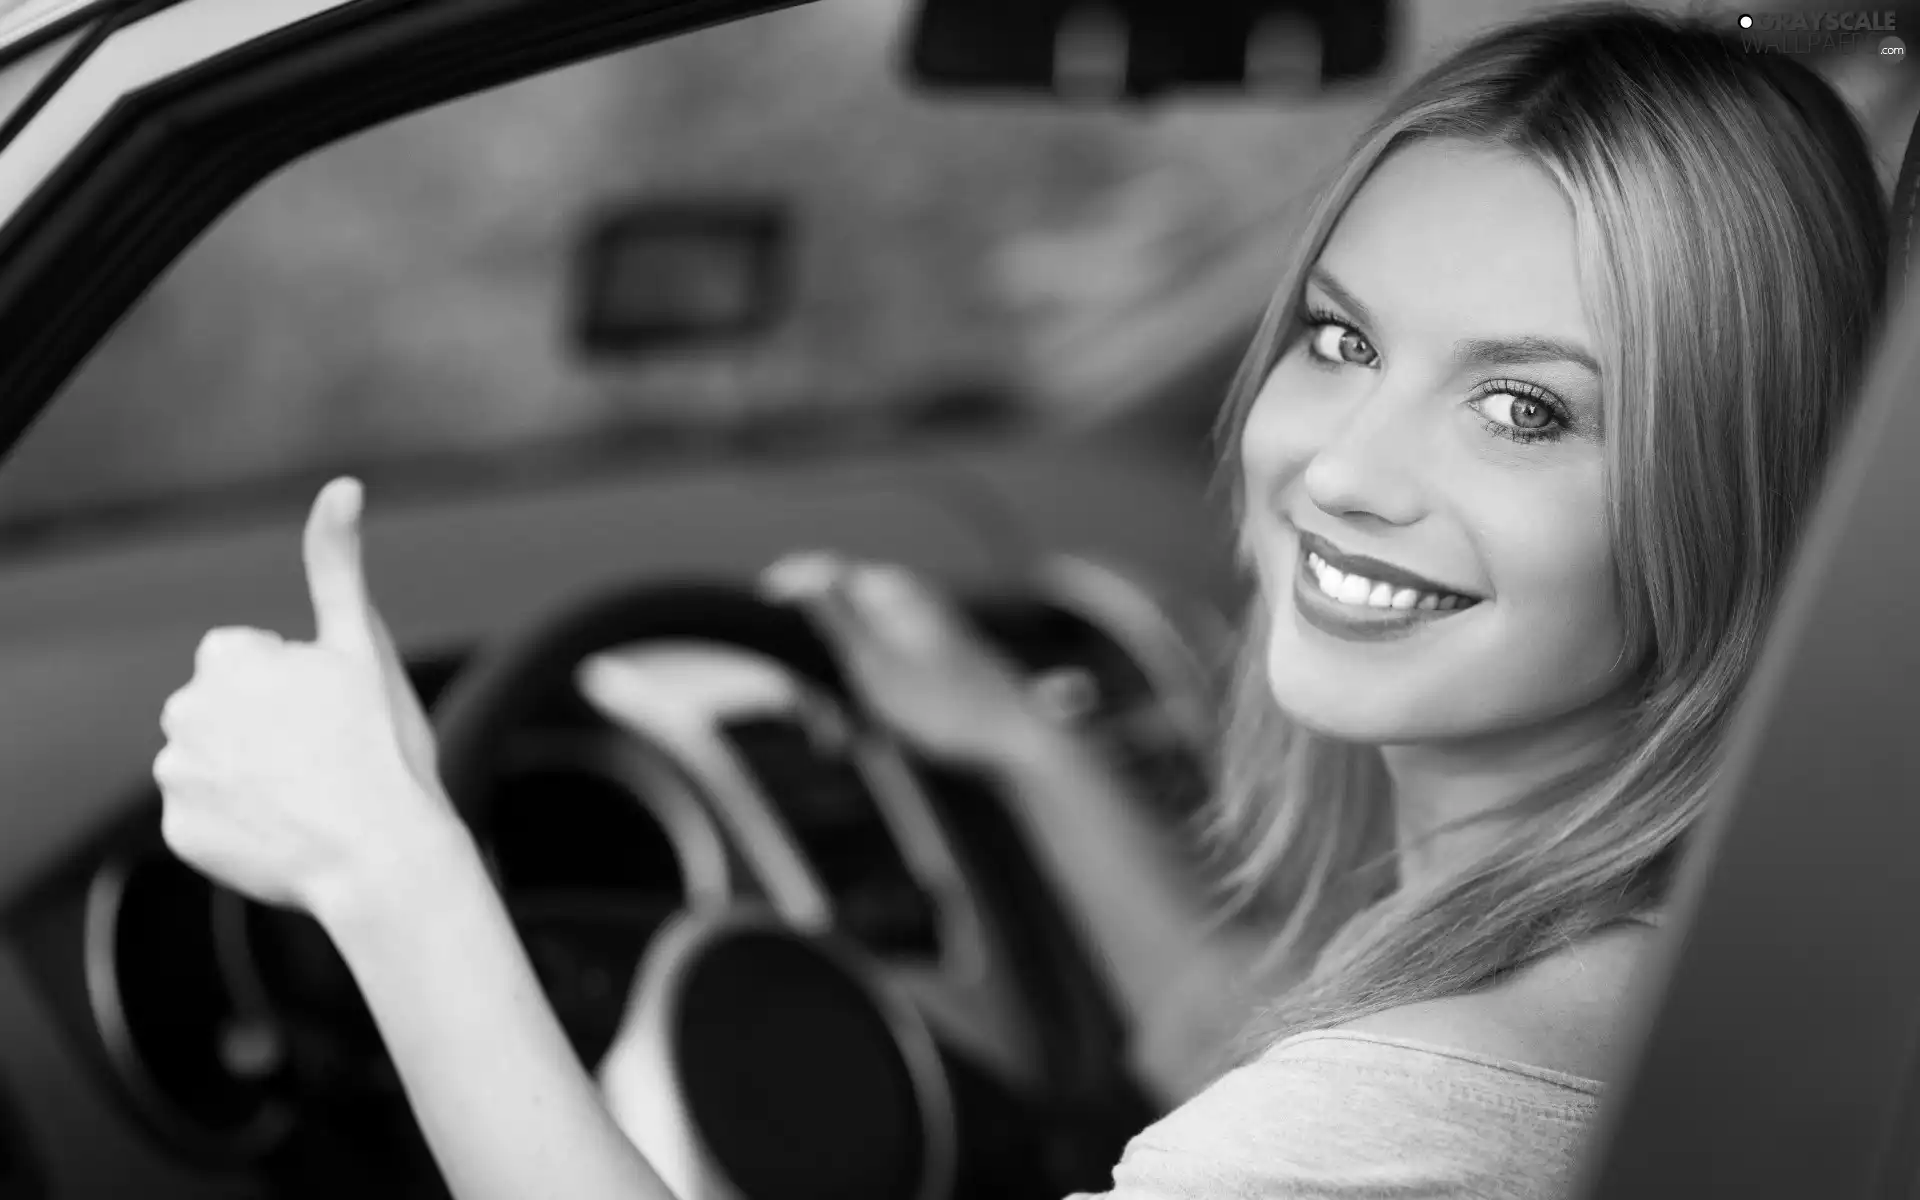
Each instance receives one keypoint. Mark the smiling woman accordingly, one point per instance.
(1522, 449)
(1524, 446)
(1431, 462)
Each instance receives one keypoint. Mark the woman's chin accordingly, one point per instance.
(1350, 705)
(1342, 722)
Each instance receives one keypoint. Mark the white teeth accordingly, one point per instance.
(1361, 591)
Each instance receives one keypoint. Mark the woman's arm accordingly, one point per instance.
(1180, 969)
(302, 774)
(499, 1093)
(921, 667)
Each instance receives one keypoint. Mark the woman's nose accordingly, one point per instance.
(1370, 462)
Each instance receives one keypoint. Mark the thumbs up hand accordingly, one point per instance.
(344, 617)
(297, 769)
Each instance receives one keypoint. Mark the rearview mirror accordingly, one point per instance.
(656, 274)
(1143, 48)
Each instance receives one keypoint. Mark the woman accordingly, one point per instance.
(1522, 449)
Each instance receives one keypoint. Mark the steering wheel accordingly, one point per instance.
(505, 685)
(1090, 1107)
(1057, 1133)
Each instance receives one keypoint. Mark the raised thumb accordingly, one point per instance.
(335, 578)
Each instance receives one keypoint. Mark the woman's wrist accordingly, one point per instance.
(407, 872)
(1040, 742)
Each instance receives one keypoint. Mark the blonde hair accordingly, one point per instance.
(1732, 251)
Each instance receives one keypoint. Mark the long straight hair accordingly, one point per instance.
(1732, 253)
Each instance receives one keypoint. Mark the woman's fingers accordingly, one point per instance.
(867, 606)
(815, 581)
(231, 643)
(912, 657)
(898, 607)
(336, 572)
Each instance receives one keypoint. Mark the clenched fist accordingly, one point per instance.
(295, 770)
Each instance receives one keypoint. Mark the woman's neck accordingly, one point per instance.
(1436, 784)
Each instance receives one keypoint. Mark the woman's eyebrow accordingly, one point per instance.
(1521, 350)
(1345, 299)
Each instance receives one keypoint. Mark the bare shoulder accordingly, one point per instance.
(1568, 1012)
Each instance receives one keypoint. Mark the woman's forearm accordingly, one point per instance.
(1182, 972)
(499, 1093)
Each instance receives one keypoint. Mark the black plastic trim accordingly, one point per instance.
(56, 79)
(104, 11)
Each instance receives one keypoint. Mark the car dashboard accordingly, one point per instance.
(672, 774)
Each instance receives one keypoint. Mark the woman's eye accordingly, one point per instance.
(1333, 342)
(1517, 414)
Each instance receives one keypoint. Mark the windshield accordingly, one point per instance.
(407, 292)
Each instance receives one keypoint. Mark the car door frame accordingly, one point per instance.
(160, 127)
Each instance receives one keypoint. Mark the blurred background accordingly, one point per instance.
(407, 292)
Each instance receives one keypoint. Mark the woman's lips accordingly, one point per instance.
(1420, 602)
(1376, 570)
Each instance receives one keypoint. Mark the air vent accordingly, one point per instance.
(842, 832)
(162, 1008)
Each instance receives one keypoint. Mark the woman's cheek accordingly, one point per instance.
(1277, 438)
(1262, 446)
(1556, 572)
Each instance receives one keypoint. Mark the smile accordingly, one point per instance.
(1358, 590)
(1363, 599)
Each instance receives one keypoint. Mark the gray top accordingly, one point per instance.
(1350, 1116)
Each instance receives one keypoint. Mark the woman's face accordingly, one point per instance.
(1424, 470)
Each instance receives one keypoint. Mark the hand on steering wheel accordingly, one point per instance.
(914, 661)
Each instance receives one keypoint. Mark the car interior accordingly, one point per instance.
(613, 304)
